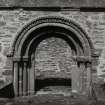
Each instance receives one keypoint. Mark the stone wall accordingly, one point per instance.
(11, 22)
(52, 3)
(53, 59)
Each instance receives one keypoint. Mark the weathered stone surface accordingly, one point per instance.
(52, 3)
(0, 47)
(11, 22)
(7, 72)
(53, 58)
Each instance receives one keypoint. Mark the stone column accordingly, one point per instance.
(25, 79)
(81, 76)
(15, 78)
(89, 79)
(75, 77)
(28, 77)
(32, 82)
(20, 79)
(20, 75)
(32, 79)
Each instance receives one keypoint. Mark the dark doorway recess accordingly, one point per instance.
(42, 83)
(7, 91)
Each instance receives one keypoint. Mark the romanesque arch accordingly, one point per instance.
(32, 34)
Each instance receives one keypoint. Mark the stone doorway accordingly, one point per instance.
(22, 56)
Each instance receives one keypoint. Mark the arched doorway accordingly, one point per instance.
(25, 45)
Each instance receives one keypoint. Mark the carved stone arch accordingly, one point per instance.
(32, 34)
(73, 43)
(56, 21)
(44, 25)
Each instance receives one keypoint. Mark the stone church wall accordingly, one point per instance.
(53, 59)
(12, 21)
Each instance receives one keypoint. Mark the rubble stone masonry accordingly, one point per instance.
(12, 21)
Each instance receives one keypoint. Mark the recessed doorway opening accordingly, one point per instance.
(53, 66)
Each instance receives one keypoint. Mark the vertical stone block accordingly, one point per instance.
(89, 79)
(82, 79)
(32, 79)
(25, 79)
(15, 80)
(20, 80)
(75, 78)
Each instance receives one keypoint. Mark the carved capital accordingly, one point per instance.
(88, 65)
(82, 59)
(10, 53)
(16, 58)
(25, 58)
(20, 59)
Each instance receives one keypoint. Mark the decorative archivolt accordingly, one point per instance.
(54, 21)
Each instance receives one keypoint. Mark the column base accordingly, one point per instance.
(31, 92)
(74, 91)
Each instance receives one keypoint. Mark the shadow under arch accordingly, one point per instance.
(54, 32)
